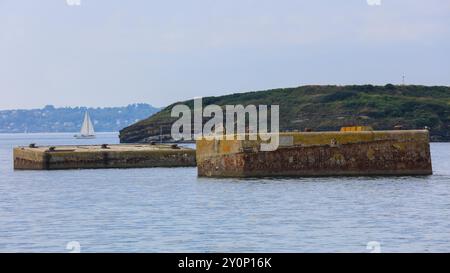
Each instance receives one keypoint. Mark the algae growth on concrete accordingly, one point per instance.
(402, 152)
(397, 152)
(102, 156)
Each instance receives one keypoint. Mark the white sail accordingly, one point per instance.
(87, 129)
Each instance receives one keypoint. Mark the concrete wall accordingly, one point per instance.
(320, 154)
(26, 158)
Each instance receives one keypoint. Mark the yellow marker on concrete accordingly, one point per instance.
(356, 129)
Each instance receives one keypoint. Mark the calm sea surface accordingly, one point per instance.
(171, 210)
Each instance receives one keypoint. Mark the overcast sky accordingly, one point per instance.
(115, 52)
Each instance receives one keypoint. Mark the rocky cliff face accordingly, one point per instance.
(328, 108)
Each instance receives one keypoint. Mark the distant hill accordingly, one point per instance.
(328, 108)
(69, 119)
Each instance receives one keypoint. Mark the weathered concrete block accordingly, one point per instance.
(319, 154)
(96, 156)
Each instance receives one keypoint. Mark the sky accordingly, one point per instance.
(115, 52)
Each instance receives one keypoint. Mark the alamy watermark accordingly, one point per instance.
(73, 2)
(374, 2)
(73, 247)
(374, 247)
(235, 125)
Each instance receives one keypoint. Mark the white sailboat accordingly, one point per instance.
(87, 129)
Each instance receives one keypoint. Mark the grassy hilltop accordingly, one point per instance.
(328, 108)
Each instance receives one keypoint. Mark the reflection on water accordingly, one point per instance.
(171, 210)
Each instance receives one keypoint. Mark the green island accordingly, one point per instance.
(327, 108)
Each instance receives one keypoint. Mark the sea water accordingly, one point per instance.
(172, 210)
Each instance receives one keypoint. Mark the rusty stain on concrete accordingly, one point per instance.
(320, 154)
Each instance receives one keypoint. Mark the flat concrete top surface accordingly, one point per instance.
(112, 148)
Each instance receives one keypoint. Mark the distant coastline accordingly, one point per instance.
(51, 119)
(57, 133)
